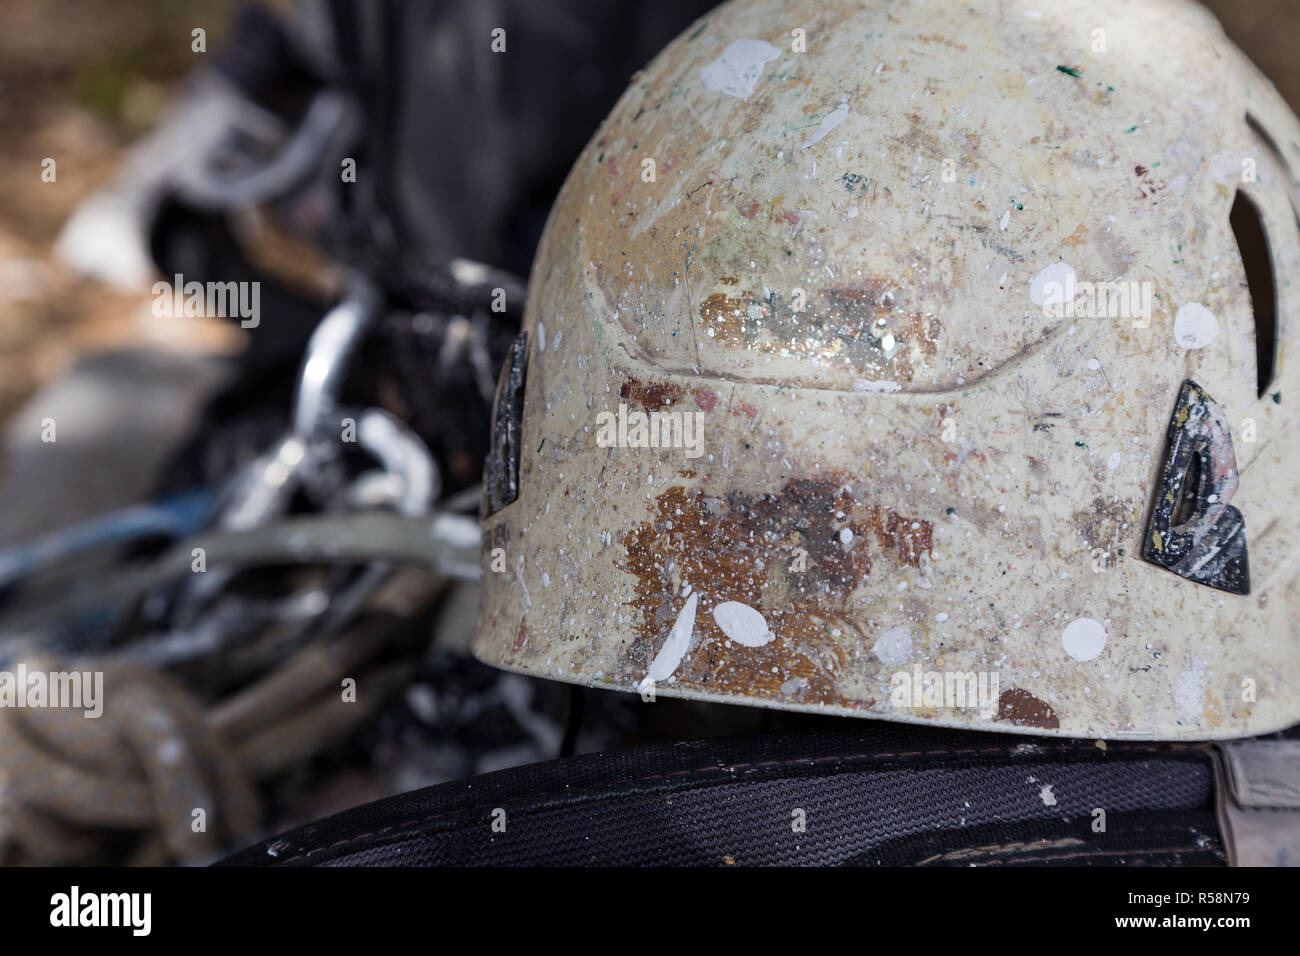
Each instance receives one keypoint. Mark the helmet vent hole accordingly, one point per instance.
(1271, 145)
(1252, 242)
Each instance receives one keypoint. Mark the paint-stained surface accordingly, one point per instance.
(1023, 709)
(840, 264)
(780, 554)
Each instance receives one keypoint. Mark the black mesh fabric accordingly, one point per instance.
(881, 795)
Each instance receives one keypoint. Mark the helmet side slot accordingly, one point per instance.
(1257, 260)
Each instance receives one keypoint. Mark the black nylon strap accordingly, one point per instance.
(879, 795)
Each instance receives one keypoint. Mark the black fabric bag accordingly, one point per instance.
(871, 795)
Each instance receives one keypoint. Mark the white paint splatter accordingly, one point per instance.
(541, 336)
(846, 536)
(894, 647)
(743, 624)
(1051, 283)
(1005, 220)
(1084, 639)
(1114, 460)
(740, 67)
(1195, 326)
(1046, 795)
(675, 646)
(794, 685)
(829, 122)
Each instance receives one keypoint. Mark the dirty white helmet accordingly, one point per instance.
(928, 362)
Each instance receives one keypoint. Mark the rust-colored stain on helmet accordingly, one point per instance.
(864, 328)
(786, 555)
(1025, 710)
(652, 396)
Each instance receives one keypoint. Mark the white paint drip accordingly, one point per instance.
(829, 122)
(1084, 639)
(1046, 795)
(1050, 283)
(675, 646)
(1195, 326)
(743, 624)
(740, 67)
(894, 647)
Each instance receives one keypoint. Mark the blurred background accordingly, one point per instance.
(213, 141)
(81, 81)
(174, 426)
